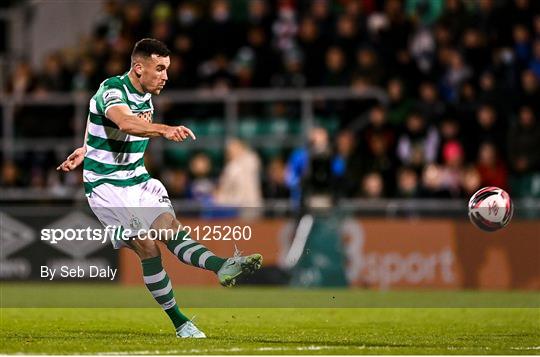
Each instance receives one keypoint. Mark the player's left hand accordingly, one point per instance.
(75, 159)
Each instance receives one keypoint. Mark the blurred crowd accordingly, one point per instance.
(462, 78)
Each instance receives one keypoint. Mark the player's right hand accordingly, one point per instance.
(178, 133)
(75, 159)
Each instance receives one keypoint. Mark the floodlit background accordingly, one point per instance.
(343, 137)
(348, 135)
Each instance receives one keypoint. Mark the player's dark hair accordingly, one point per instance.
(148, 47)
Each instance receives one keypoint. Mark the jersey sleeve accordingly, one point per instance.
(111, 94)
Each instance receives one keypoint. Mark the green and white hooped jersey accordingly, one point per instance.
(113, 156)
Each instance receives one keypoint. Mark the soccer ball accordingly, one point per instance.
(490, 209)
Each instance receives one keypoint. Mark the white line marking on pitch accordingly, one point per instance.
(526, 348)
(235, 349)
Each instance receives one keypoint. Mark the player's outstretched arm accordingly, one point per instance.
(75, 159)
(129, 123)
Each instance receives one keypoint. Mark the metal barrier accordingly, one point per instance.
(33, 204)
(230, 100)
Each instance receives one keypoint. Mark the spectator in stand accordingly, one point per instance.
(115, 66)
(453, 158)
(313, 46)
(419, 143)
(109, 24)
(314, 167)
(285, 27)
(489, 19)
(121, 48)
(373, 185)
(259, 15)
(357, 10)
(201, 185)
(10, 175)
(351, 166)
(336, 68)
(346, 36)
(522, 46)
(490, 91)
(178, 78)
(457, 72)
(471, 181)
(177, 183)
(217, 73)
(400, 104)
(189, 41)
(292, 75)
(274, 184)
(422, 48)
(536, 26)
(22, 81)
(162, 27)
(464, 110)
(530, 90)
(239, 183)
(54, 77)
(221, 32)
(99, 49)
(475, 51)
(135, 23)
(455, 17)
(85, 79)
(491, 168)
(380, 158)
(534, 64)
(407, 183)
(320, 11)
(429, 105)
(487, 127)
(450, 130)
(378, 140)
(258, 56)
(368, 67)
(393, 42)
(432, 184)
(521, 11)
(377, 125)
(524, 151)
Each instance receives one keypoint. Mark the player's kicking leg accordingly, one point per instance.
(158, 283)
(193, 253)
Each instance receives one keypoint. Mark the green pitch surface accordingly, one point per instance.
(264, 330)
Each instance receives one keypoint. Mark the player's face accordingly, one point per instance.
(154, 73)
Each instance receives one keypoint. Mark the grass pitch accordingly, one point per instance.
(268, 330)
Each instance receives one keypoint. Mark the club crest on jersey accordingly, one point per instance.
(135, 223)
(111, 94)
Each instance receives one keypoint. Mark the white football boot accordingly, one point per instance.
(189, 330)
(238, 265)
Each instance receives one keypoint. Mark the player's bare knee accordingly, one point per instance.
(145, 248)
(163, 227)
(175, 226)
(163, 221)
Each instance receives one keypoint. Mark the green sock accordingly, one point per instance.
(192, 253)
(157, 281)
